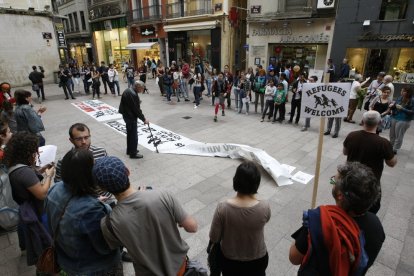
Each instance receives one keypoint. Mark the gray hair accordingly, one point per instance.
(388, 78)
(358, 77)
(139, 83)
(371, 118)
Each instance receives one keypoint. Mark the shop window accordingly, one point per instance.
(82, 17)
(294, 5)
(393, 9)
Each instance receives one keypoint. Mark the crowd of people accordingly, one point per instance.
(92, 212)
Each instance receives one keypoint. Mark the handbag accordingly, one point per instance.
(386, 122)
(213, 258)
(261, 90)
(47, 262)
(35, 87)
(367, 103)
(191, 81)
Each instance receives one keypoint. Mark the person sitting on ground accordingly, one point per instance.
(330, 242)
(158, 248)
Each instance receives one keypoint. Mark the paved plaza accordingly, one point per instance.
(201, 182)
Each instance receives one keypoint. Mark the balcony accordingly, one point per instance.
(189, 8)
(145, 15)
(94, 3)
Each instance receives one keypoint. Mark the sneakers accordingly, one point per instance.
(262, 120)
(222, 113)
(215, 118)
(195, 106)
(304, 129)
(186, 100)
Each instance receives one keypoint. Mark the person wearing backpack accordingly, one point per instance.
(331, 230)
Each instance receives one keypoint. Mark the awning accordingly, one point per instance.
(143, 45)
(206, 25)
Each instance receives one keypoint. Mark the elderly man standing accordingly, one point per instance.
(370, 149)
(130, 108)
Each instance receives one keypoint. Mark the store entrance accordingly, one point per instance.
(376, 61)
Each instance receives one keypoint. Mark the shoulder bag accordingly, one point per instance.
(47, 262)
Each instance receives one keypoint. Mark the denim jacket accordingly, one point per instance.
(27, 119)
(80, 245)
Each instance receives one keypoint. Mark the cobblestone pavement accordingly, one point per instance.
(200, 182)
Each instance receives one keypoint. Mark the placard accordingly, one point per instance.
(325, 100)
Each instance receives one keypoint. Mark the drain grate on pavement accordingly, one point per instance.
(187, 117)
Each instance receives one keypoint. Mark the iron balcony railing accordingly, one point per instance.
(145, 14)
(189, 8)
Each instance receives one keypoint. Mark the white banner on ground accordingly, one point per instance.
(325, 100)
(177, 144)
(98, 110)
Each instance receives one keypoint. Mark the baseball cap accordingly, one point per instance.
(111, 174)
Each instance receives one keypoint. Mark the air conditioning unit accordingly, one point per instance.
(326, 4)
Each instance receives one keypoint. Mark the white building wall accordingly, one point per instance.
(38, 5)
(23, 46)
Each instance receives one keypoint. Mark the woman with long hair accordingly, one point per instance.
(238, 226)
(381, 104)
(74, 216)
(29, 189)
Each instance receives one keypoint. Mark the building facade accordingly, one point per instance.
(290, 32)
(28, 38)
(108, 25)
(376, 35)
(145, 24)
(77, 31)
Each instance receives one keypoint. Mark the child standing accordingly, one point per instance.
(270, 92)
(280, 99)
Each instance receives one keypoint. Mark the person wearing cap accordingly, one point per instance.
(130, 108)
(144, 221)
(74, 214)
(370, 149)
(319, 245)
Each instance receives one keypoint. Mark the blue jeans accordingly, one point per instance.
(116, 83)
(184, 88)
(167, 88)
(197, 92)
(131, 82)
(208, 83)
(237, 97)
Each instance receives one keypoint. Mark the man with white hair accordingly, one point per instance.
(367, 147)
(130, 108)
(388, 82)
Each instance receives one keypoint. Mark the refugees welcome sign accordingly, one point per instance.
(325, 100)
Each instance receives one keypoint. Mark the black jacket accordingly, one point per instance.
(130, 105)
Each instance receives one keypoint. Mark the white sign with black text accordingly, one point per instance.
(325, 100)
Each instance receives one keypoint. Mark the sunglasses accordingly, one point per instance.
(332, 180)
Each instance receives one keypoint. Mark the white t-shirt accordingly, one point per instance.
(355, 87)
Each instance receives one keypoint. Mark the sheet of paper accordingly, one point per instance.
(289, 168)
(47, 154)
(302, 177)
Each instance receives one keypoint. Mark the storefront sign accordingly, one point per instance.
(325, 100)
(272, 31)
(61, 39)
(147, 31)
(59, 26)
(256, 9)
(387, 38)
(311, 38)
(104, 11)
